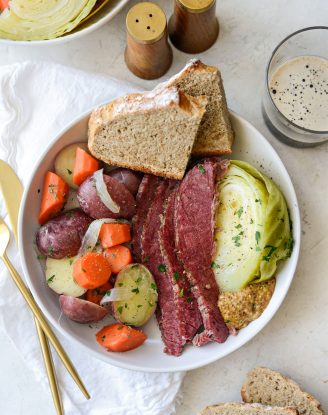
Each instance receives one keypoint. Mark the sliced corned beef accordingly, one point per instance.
(144, 200)
(166, 311)
(187, 312)
(194, 219)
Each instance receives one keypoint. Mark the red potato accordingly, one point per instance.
(131, 179)
(62, 236)
(92, 205)
(81, 311)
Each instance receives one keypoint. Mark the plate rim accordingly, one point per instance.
(261, 322)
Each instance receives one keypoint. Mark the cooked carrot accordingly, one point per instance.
(91, 271)
(112, 234)
(118, 257)
(96, 295)
(120, 338)
(54, 195)
(85, 165)
(4, 4)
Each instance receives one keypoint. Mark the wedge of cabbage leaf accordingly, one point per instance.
(253, 228)
(42, 19)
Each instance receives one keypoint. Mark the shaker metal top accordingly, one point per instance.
(196, 6)
(146, 22)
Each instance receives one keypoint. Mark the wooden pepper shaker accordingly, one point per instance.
(148, 54)
(193, 27)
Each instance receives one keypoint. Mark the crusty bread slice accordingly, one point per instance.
(269, 387)
(245, 409)
(215, 135)
(153, 132)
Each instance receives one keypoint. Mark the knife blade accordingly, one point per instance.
(11, 187)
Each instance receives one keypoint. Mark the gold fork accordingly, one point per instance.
(4, 240)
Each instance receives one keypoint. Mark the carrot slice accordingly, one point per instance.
(120, 338)
(96, 295)
(4, 4)
(54, 195)
(91, 271)
(85, 165)
(118, 257)
(112, 234)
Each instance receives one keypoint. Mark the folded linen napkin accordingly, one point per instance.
(36, 101)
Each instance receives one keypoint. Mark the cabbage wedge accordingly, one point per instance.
(42, 19)
(253, 228)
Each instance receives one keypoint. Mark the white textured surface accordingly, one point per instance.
(296, 340)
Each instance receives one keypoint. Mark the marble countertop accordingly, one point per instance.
(296, 340)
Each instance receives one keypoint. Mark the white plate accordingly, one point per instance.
(249, 146)
(99, 19)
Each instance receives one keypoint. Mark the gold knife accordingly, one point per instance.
(12, 191)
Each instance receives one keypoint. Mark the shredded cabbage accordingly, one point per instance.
(42, 19)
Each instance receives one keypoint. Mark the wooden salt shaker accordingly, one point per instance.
(148, 54)
(193, 27)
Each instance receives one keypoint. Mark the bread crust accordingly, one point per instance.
(208, 410)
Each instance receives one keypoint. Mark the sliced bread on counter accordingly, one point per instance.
(269, 387)
(245, 409)
(153, 132)
(215, 135)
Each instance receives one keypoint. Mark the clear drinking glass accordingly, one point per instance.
(311, 41)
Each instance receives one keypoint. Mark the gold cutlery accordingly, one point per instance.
(12, 200)
(12, 191)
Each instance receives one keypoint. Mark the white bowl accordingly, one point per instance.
(249, 146)
(99, 19)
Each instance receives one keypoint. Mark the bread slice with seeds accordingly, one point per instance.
(269, 387)
(215, 135)
(245, 409)
(153, 132)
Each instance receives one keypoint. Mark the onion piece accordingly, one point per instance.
(91, 236)
(116, 294)
(103, 192)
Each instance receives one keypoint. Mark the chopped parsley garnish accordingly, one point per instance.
(258, 201)
(252, 221)
(176, 276)
(39, 257)
(135, 290)
(236, 240)
(108, 292)
(153, 286)
(181, 292)
(267, 257)
(71, 262)
(161, 268)
(201, 168)
(51, 249)
(145, 259)
(51, 278)
(120, 309)
(227, 321)
(138, 280)
(257, 237)
(239, 212)
(139, 305)
(120, 284)
(214, 265)
(238, 226)
(189, 299)
(258, 249)
(69, 171)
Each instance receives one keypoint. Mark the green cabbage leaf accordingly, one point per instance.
(253, 228)
(42, 19)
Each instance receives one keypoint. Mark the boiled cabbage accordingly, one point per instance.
(253, 228)
(42, 19)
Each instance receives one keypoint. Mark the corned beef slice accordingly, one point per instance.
(144, 200)
(166, 311)
(187, 312)
(194, 218)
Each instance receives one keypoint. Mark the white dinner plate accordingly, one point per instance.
(103, 16)
(250, 146)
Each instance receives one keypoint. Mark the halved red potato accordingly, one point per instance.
(81, 311)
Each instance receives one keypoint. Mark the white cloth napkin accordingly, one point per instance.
(36, 101)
